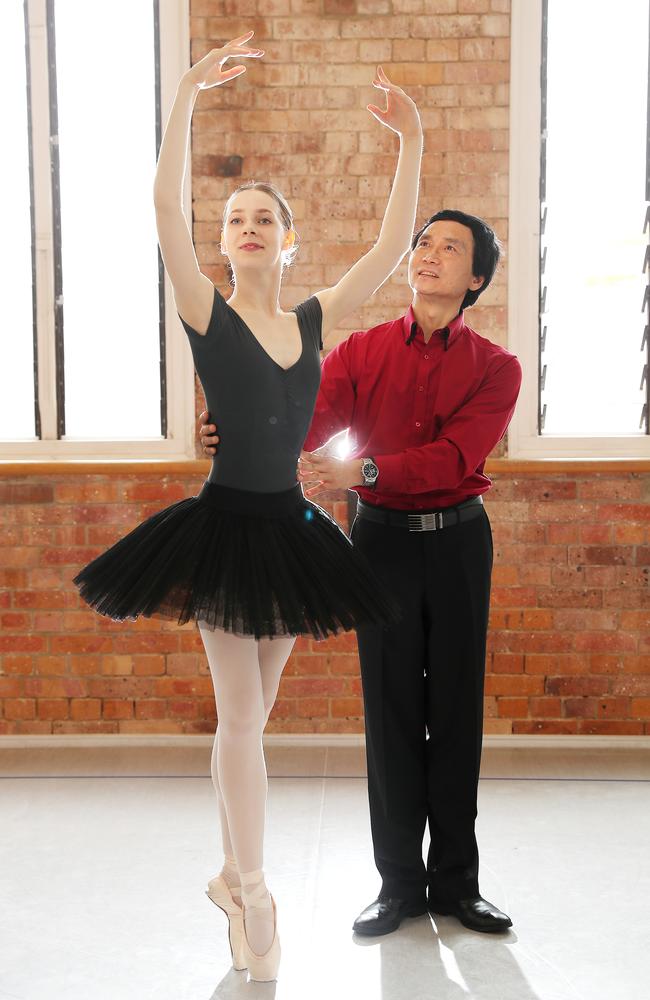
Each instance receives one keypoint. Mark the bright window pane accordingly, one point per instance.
(17, 334)
(106, 110)
(595, 197)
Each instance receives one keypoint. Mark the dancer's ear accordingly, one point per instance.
(289, 239)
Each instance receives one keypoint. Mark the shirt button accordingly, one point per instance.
(421, 388)
(417, 423)
(426, 357)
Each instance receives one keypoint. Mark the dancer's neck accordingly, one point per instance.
(257, 292)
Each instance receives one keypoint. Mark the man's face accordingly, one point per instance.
(440, 265)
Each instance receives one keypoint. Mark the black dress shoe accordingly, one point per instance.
(476, 913)
(385, 915)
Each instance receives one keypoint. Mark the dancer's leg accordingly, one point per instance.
(245, 684)
(273, 655)
(229, 872)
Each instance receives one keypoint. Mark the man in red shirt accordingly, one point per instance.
(425, 399)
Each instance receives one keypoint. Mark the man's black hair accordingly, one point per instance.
(487, 248)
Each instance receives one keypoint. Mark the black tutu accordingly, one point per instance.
(255, 564)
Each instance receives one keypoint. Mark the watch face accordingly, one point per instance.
(370, 471)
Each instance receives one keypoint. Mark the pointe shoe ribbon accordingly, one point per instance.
(261, 968)
(222, 896)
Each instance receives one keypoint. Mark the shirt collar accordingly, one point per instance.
(455, 327)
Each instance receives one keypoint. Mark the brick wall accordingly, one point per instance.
(569, 644)
(569, 648)
(299, 118)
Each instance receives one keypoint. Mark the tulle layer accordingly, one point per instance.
(250, 563)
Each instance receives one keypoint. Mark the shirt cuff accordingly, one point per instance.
(392, 473)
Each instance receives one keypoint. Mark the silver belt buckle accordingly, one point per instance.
(425, 522)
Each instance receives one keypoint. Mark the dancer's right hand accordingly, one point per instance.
(208, 434)
(208, 72)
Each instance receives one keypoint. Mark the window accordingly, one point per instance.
(90, 332)
(578, 257)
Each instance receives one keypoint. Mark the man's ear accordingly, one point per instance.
(476, 282)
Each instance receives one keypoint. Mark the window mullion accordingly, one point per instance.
(42, 215)
(645, 342)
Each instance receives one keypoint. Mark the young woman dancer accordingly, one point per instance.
(250, 559)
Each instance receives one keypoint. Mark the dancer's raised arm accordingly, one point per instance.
(370, 272)
(193, 291)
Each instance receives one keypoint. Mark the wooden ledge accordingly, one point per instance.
(195, 468)
(120, 467)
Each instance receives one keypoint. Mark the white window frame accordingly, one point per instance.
(179, 444)
(524, 441)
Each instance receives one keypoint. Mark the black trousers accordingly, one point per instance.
(423, 696)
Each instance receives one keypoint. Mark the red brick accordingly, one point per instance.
(39, 599)
(601, 555)
(563, 663)
(17, 664)
(81, 644)
(577, 685)
(583, 619)
(519, 684)
(15, 620)
(150, 708)
(21, 643)
(11, 687)
(507, 663)
(559, 534)
(20, 708)
(27, 493)
(629, 533)
(74, 493)
(148, 665)
(311, 707)
(539, 726)
(53, 708)
(593, 727)
(65, 556)
(546, 708)
(55, 687)
(581, 707)
(595, 534)
(117, 665)
(117, 709)
(640, 708)
(605, 641)
(347, 708)
(512, 708)
(555, 597)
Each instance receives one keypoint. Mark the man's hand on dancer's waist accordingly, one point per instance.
(208, 434)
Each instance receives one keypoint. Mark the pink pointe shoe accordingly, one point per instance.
(221, 895)
(262, 968)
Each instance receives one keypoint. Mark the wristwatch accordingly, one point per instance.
(370, 472)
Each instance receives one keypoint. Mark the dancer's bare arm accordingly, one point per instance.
(370, 272)
(193, 291)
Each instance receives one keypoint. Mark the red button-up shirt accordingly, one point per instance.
(429, 414)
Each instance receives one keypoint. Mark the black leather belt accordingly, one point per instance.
(432, 520)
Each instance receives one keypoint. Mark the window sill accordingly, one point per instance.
(200, 467)
(574, 466)
(82, 467)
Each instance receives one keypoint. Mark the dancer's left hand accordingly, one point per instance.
(326, 473)
(400, 114)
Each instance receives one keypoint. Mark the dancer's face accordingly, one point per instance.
(253, 235)
(440, 265)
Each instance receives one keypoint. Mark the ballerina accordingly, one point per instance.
(250, 559)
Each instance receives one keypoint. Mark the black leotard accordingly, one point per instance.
(261, 410)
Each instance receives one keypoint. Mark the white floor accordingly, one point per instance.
(102, 879)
